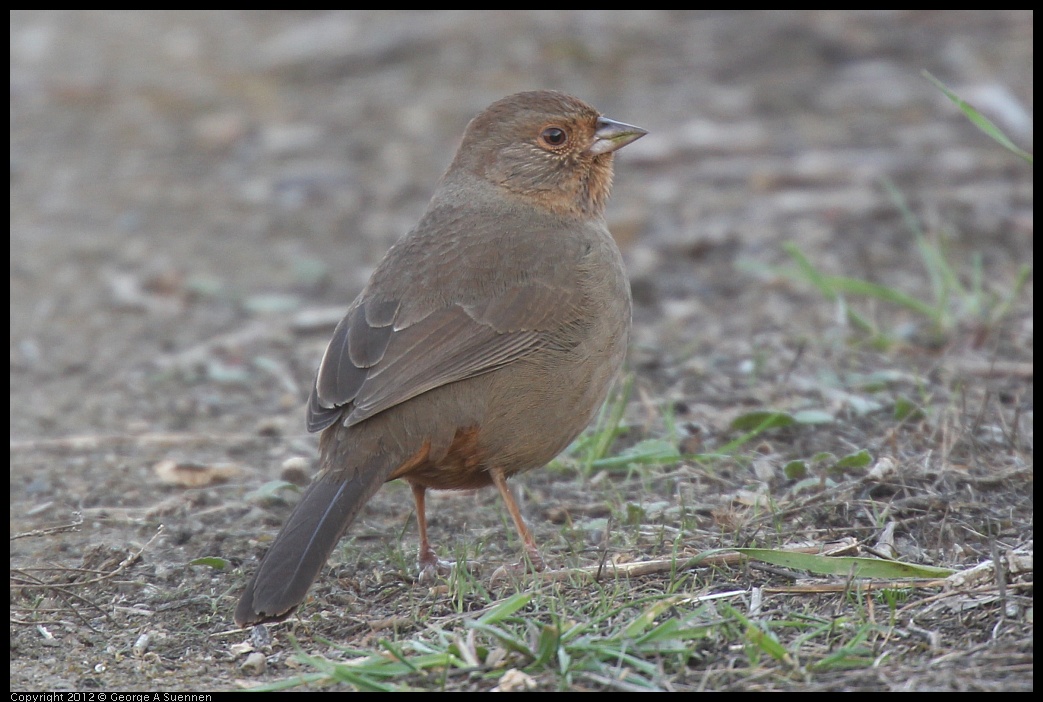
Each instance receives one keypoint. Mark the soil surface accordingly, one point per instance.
(197, 197)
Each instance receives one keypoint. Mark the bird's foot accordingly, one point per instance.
(433, 568)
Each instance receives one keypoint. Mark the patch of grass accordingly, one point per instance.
(620, 636)
(955, 300)
(623, 646)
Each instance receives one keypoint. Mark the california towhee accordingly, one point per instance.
(483, 343)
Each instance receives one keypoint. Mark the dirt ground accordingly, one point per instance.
(197, 197)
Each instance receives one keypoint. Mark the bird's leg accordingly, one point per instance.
(431, 566)
(529, 542)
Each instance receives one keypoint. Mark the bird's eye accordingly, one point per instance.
(553, 137)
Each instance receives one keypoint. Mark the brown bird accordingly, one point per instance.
(483, 343)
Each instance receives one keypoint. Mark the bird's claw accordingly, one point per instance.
(433, 569)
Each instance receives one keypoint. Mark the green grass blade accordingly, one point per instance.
(861, 567)
(979, 120)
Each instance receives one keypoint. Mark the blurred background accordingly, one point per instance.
(176, 174)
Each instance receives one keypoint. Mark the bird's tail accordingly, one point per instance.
(298, 553)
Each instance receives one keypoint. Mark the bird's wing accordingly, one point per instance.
(378, 358)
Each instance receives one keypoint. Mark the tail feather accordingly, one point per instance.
(300, 550)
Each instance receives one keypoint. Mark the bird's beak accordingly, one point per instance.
(612, 135)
